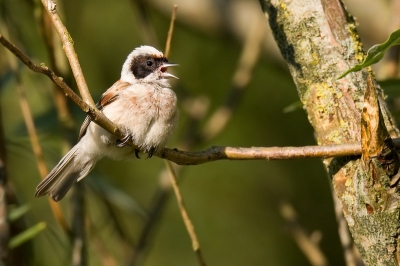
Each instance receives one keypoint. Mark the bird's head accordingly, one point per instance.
(146, 63)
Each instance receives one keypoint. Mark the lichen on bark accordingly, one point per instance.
(318, 40)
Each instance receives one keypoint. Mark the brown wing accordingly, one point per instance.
(108, 97)
(111, 94)
(84, 126)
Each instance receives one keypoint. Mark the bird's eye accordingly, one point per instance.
(149, 63)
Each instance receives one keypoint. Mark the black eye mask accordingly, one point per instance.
(144, 65)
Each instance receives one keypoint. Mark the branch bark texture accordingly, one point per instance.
(317, 38)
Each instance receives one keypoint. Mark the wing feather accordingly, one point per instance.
(106, 98)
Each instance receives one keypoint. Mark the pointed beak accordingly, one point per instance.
(164, 72)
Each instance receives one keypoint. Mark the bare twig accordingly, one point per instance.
(309, 247)
(64, 115)
(250, 54)
(170, 32)
(217, 122)
(171, 172)
(212, 154)
(68, 46)
(95, 114)
(259, 153)
(185, 215)
(37, 150)
(57, 63)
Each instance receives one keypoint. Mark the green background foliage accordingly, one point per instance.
(234, 205)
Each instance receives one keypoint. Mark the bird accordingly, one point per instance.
(141, 102)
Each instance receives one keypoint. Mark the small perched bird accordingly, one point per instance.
(141, 103)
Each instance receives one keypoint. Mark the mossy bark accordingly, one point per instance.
(318, 40)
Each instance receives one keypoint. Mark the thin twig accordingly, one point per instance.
(209, 155)
(215, 125)
(185, 216)
(64, 115)
(96, 116)
(37, 150)
(216, 153)
(164, 186)
(68, 46)
(309, 247)
(241, 78)
(171, 173)
(170, 31)
(8, 197)
(57, 63)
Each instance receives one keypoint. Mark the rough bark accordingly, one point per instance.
(318, 40)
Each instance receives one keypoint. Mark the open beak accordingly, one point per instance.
(164, 72)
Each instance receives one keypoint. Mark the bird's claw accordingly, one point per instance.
(124, 142)
(151, 152)
(137, 154)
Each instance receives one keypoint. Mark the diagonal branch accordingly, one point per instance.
(68, 46)
(193, 158)
(37, 150)
(93, 112)
(78, 230)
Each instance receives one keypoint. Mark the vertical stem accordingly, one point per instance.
(185, 216)
(68, 46)
(37, 150)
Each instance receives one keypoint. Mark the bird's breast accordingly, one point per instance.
(149, 114)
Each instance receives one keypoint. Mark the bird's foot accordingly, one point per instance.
(137, 154)
(124, 142)
(151, 152)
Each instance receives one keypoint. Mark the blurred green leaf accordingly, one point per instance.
(26, 235)
(391, 87)
(118, 197)
(18, 212)
(376, 53)
(293, 107)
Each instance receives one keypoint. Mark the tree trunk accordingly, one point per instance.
(318, 40)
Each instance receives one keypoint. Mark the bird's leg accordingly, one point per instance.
(151, 152)
(124, 142)
(137, 154)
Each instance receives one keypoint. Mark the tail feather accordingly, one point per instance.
(72, 167)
